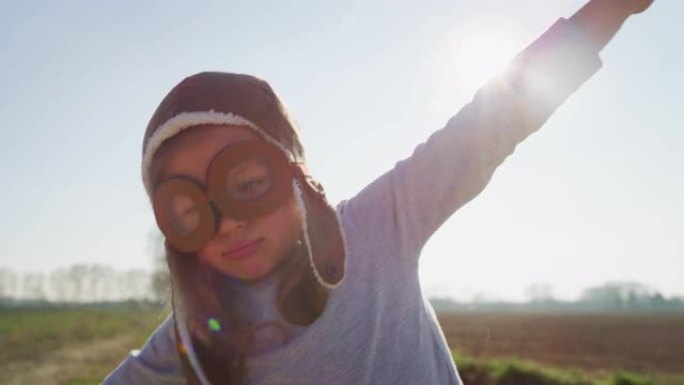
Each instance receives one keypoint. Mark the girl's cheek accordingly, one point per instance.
(205, 252)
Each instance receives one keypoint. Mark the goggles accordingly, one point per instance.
(243, 181)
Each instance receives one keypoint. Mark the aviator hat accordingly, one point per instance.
(243, 100)
(235, 99)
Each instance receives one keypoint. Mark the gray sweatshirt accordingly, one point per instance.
(377, 327)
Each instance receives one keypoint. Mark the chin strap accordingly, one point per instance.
(188, 373)
(192, 369)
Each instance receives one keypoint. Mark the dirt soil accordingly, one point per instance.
(633, 342)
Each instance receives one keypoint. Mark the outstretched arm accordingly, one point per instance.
(601, 19)
(457, 161)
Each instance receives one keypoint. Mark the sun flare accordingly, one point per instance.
(479, 53)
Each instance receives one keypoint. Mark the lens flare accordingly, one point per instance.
(214, 325)
(182, 349)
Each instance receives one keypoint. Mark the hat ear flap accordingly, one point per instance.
(322, 232)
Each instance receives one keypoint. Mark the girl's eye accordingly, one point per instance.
(184, 215)
(189, 211)
(249, 180)
(252, 189)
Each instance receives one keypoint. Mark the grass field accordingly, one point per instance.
(69, 346)
(80, 346)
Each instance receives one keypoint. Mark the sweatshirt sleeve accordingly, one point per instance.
(156, 363)
(457, 161)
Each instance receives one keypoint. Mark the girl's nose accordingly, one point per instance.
(227, 225)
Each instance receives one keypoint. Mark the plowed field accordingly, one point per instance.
(633, 342)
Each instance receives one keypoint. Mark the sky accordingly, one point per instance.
(594, 196)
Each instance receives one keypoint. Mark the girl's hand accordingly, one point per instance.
(601, 19)
(636, 6)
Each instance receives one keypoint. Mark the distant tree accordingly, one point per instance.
(658, 302)
(33, 287)
(8, 284)
(60, 285)
(136, 285)
(607, 296)
(677, 302)
(110, 285)
(627, 296)
(159, 282)
(78, 275)
(97, 276)
(539, 293)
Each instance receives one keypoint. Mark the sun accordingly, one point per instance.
(477, 53)
(484, 54)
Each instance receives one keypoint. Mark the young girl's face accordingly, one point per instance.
(246, 250)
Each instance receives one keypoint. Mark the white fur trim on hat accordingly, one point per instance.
(180, 122)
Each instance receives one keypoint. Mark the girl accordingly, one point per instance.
(272, 285)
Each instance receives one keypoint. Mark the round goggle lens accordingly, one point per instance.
(249, 180)
(183, 215)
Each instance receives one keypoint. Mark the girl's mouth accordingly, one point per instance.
(242, 249)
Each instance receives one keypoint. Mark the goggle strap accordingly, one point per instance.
(184, 340)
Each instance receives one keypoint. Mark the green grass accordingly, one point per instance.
(30, 335)
(667, 378)
(476, 371)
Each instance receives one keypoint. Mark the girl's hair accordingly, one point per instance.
(300, 299)
(306, 276)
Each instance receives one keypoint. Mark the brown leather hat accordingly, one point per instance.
(236, 99)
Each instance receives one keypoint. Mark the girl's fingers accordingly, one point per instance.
(638, 6)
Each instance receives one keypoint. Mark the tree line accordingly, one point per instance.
(93, 283)
(612, 297)
(84, 283)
